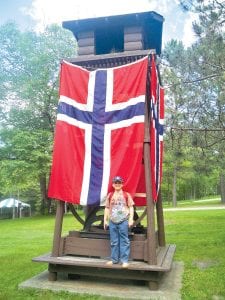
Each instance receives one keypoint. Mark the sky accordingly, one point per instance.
(37, 14)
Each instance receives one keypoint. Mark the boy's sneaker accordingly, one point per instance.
(125, 265)
(110, 263)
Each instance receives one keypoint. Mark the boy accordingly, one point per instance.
(118, 215)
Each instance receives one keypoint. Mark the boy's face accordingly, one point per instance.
(117, 186)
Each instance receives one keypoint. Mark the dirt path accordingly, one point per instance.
(195, 208)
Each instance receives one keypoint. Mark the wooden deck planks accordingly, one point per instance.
(164, 261)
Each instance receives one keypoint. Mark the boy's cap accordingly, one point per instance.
(117, 179)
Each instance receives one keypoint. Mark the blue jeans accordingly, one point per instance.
(120, 243)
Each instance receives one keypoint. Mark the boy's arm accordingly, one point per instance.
(106, 212)
(131, 210)
(106, 218)
(131, 216)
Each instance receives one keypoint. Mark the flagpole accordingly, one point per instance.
(151, 239)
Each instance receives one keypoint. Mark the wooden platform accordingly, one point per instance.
(139, 270)
(164, 261)
(97, 244)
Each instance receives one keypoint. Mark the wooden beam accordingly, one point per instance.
(160, 221)
(111, 272)
(151, 240)
(86, 34)
(132, 29)
(150, 209)
(132, 37)
(58, 228)
(86, 42)
(88, 50)
(110, 56)
(132, 46)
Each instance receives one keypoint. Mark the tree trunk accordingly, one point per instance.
(44, 199)
(168, 191)
(194, 192)
(222, 188)
(174, 191)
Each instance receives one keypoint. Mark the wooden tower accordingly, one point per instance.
(108, 42)
(116, 40)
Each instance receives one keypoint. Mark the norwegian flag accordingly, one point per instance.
(156, 128)
(99, 131)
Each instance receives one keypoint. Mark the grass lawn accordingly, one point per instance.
(212, 201)
(198, 235)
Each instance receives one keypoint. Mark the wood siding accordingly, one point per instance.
(86, 43)
(133, 38)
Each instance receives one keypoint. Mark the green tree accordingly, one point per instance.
(195, 90)
(209, 57)
(29, 69)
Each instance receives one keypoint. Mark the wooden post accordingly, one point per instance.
(160, 221)
(151, 241)
(152, 259)
(58, 228)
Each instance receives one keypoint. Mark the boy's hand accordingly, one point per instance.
(106, 225)
(130, 223)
